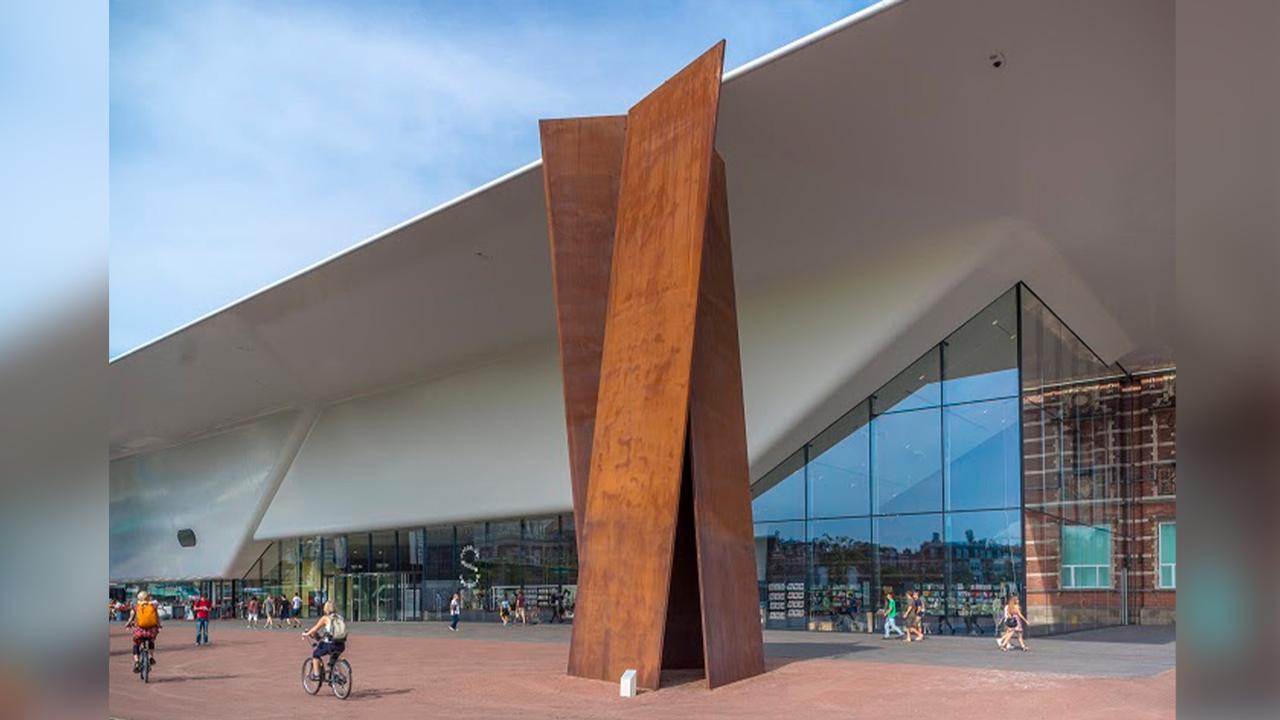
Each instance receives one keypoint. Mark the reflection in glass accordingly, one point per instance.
(980, 360)
(1086, 556)
(843, 570)
(840, 469)
(982, 455)
(907, 462)
(780, 494)
(910, 549)
(782, 565)
(919, 386)
(384, 552)
(984, 556)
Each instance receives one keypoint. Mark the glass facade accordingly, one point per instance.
(1008, 458)
(918, 487)
(410, 573)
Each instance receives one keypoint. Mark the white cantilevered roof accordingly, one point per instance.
(854, 150)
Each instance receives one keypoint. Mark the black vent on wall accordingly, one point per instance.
(187, 537)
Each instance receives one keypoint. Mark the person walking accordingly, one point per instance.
(201, 609)
(269, 611)
(504, 610)
(1015, 625)
(251, 612)
(557, 607)
(891, 615)
(520, 611)
(455, 611)
(297, 609)
(910, 616)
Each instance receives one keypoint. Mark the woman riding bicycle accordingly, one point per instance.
(144, 618)
(324, 631)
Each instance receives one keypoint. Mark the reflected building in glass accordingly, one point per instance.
(1007, 459)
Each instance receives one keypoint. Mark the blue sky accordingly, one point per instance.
(251, 139)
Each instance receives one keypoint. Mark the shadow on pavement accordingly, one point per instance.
(375, 693)
(810, 650)
(189, 678)
(1131, 634)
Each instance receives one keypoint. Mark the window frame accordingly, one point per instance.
(1069, 570)
(1160, 563)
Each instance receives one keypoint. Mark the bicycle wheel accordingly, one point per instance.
(312, 686)
(340, 679)
(144, 665)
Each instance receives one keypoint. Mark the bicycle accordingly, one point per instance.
(337, 675)
(144, 659)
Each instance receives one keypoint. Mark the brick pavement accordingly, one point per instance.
(422, 670)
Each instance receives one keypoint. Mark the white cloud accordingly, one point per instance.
(251, 139)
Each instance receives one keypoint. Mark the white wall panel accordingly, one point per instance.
(217, 486)
(486, 443)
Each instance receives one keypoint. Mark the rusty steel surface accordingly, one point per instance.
(637, 214)
(581, 166)
(732, 640)
(638, 450)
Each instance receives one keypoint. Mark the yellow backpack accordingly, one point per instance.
(147, 616)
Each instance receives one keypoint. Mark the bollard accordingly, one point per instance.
(627, 688)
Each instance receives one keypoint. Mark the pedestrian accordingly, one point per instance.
(891, 615)
(286, 611)
(910, 618)
(269, 611)
(504, 610)
(252, 611)
(455, 611)
(1015, 625)
(520, 611)
(557, 607)
(297, 609)
(201, 609)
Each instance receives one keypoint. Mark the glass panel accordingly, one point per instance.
(911, 552)
(984, 556)
(289, 566)
(1082, 545)
(384, 552)
(357, 546)
(980, 360)
(907, 462)
(842, 575)
(781, 569)
(982, 455)
(919, 386)
(1168, 543)
(840, 469)
(1086, 576)
(779, 495)
(311, 579)
(1166, 576)
(440, 573)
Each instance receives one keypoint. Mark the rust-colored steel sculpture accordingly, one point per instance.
(581, 165)
(666, 557)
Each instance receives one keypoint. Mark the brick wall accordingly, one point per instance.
(1101, 454)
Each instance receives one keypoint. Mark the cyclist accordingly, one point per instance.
(144, 618)
(331, 631)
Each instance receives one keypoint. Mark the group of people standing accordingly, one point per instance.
(1012, 624)
(274, 611)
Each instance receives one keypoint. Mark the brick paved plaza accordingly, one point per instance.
(404, 670)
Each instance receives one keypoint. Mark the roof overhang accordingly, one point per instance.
(855, 150)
